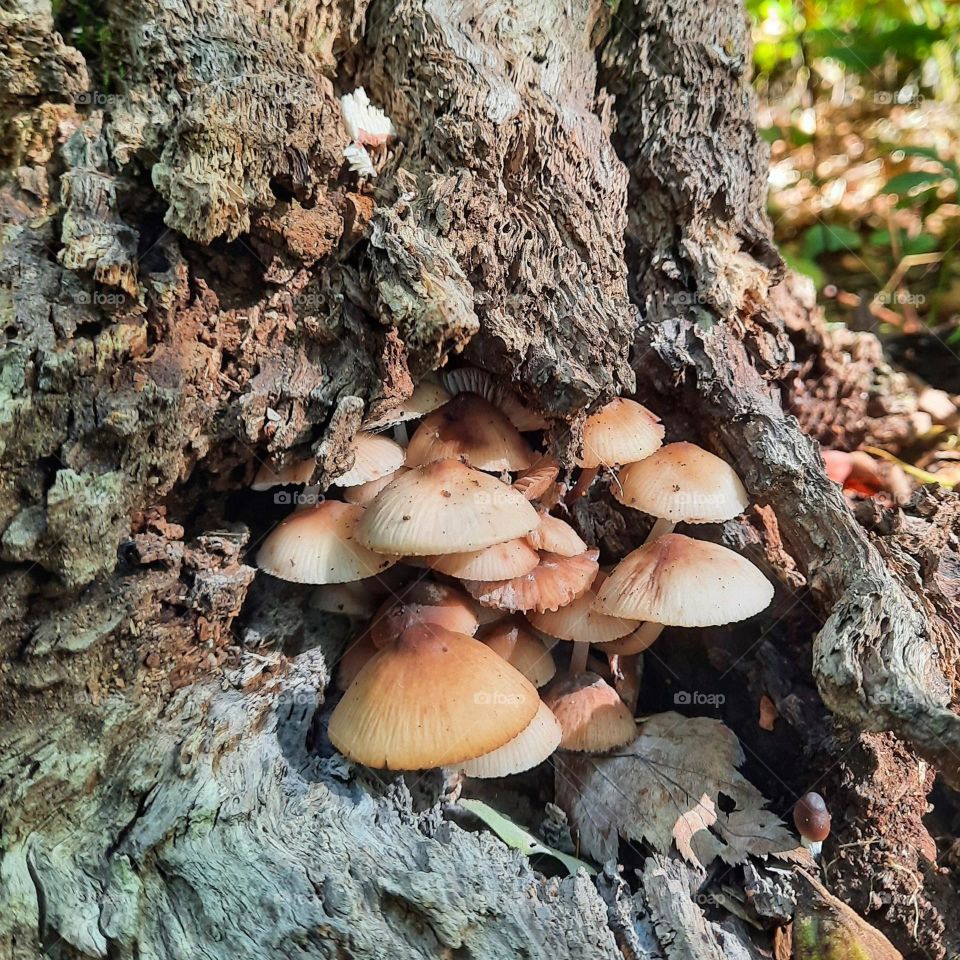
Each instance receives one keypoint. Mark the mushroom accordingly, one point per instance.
(374, 457)
(502, 561)
(319, 545)
(582, 624)
(354, 658)
(593, 717)
(678, 581)
(423, 602)
(426, 397)
(444, 507)
(470, 429)
(294, 471)
(537, 479)
(521, 648)
(812, 819)
(353, 599)
(431, 698)
(555, 536)
(681, 482)
(622, 431)
(473, 380)
(527, 749)
(555, 581)
(366, 493)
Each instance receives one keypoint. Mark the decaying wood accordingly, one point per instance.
(194, 283)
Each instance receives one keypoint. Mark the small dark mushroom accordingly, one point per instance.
(813, 821)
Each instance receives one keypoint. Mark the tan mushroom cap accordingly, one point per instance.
(445, 507)
(354, 599)
(683, 483)
(319, 544)
(684, 583)
(527, 749)
(295, 471)
(554, 582)
(423, 602)
(593, 717)
(366, 493)
(499, 562)
(431, 698)
(473, 380)
(556, 536)
(623, 431)
(354, 658)
(521, 648)
(537, 479)
(426, 397)
(470, 429)
(581, 622)
(375, 456)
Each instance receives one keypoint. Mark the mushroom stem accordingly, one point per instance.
(660, 528)
(814, 846)
(578, 659)
(627, 684)
(587, 476)
(400, 434)
(646, 635)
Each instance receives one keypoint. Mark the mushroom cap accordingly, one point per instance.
(521, 648)
(581, 622)
(554, 582)
(812, 818)
(319, 544)
(556, 536)
(423, 602)
(684, 483)
(623, 431)
(294, 471)
(375, 456)
(593, 717)
(536, 480)
(499, 562)
(354, 599)
(528, 748)
(444, 507)
(473, 430)
(426, 397)
(431, 698)
(684, 583)
(354, 658)
(473, 380)
(366, 493)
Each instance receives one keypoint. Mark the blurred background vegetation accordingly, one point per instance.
(861, 106)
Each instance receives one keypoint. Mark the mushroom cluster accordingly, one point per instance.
(448, 546)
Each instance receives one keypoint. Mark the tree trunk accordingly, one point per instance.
(198, 284)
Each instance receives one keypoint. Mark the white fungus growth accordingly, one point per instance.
(359, 160)
(367, 125)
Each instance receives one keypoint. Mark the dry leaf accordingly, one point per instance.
(664, 788)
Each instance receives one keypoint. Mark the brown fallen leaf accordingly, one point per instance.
(665, 788)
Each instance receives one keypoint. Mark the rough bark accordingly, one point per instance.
(195, 282)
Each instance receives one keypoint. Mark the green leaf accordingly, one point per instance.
(806, 267)
(518, 838)
(922, 243)
(826, 238)
(903, 183)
